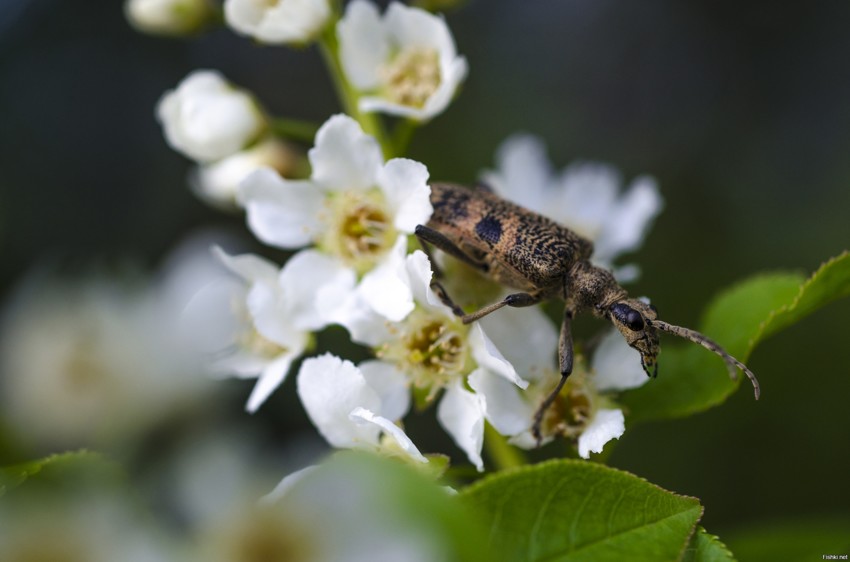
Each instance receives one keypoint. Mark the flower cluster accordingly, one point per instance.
(350, 223)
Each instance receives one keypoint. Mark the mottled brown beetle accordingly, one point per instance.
(526, 251)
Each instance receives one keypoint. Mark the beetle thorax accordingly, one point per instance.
(591, 287)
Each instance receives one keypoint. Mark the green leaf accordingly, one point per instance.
(792, 540)
(706, 548)
(568, 510)
(692, 379)
(59, 468)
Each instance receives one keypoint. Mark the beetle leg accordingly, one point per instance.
(428, 235)
(516, 300)
(565, 360)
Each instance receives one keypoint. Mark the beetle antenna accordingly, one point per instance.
(696, 337)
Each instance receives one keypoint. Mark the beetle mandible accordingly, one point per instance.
(542, 259)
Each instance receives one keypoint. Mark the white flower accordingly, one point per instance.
(217, 182)
(585, 197)
(90, 362)
(352, 406)
(434, 351)
(582, 410)
(355, 208)
(168, 17)
(258, 322)
(207, 119)
(279, 21)
(404, 63)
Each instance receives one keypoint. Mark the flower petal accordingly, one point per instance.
(507, 410)
(391, 385)
(304, 280)
(526, 337)
(523, 174)
(365, 417)
(615, 365)
(250, 267)
(344, 156)
(487, 355)
(281, 212)
(286, 484)
(461, 413)
(271, 378)
(419, 275)
(363, 44)
(330, 390)
(292, 21)
(628, 222)
(209, 321)
(606, 425)
(386, 288)
(405, 185)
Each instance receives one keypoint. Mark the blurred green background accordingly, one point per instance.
(740, 110)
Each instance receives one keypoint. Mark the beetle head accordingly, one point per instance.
(633, 318)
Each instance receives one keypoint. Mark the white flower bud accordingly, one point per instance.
(207, 119)
(217, 183)
(282, 21)
(168, 17)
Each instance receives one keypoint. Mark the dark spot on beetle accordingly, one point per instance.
(489, 229)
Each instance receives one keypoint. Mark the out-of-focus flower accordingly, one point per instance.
(586, 197)
(168, 17)
(91, 362)
(436, 352)
(207, 119)
(281, 21)
(256, 322)
(338, 512)
(404, 64)
(583, 411)
(355, 208)
(352, 407)
(217, 182)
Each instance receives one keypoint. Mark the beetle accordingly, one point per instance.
(542, 259)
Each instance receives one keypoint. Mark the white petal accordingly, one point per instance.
(250, 267)
(507, 410)
(209, 320)
(307, 278)
(207, 119)
(386, 288)
(391, 385)
(285, 485)
(289, 21)
(363, 44)
(628, 222)
(405, 185)
(344, 156)
(524, 174)
(330, 389)
(526, 337)
(281, 212)
(365, 417)
(271, 378)
(340, 303)
(415, 27)
(461, 413)
(487, 355)
(419, 275)
(585, 197)
(606, 425)
(615, 365)
(269, 312)
(525, 440)
(452, 74)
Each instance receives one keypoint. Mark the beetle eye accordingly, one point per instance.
(634, 320)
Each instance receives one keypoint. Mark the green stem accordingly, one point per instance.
(294, 129)
(500, 451)
(329, 47)
(402, 134)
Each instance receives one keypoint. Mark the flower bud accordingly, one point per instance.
(168, 17)
(284, 21)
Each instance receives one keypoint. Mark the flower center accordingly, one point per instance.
(572, 409)
(361, 229)
(412, 76)
(431, 349)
